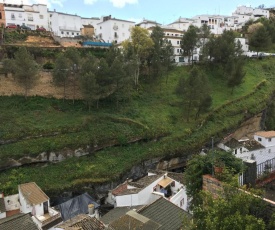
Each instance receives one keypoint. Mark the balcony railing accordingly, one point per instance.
(49, 217)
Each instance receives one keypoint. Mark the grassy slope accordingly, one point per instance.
(155, 111)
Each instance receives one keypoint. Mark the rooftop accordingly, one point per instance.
(252, 145)
(18, 222)
(32, 193)
(267, 134)
(117, 212)
(167, 214)
(133, 220)
(82, 222)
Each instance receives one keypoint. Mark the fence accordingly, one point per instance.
(266, 167)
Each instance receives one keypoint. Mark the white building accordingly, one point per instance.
(245, 13)
(36, 16)
(181, 24)
(260, 149)
(149, 188)
(214, 22)
(64, 25)
(33, 200)
(147, 24)
(91, 22)
(32, 16)
(112, 30)
(15, 14)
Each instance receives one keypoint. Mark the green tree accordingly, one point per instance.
(260, 40)
(156, 56)
(224, 48)
(75, 61)
(89, 88)
(204, 35)
(26, 69)
(8, 66)
(61, 72)
(231, 210)
(200, 165)
(138, 48)
(190, 41)
(194, 90)
(235, 73)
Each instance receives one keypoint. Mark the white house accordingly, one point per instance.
(149, 188)
(147, 24)
(36, 16)
(214, 22)
(260, 149)
(33, 200)
(64, 25)
(32, 16)
(181, 24)
(112, 30)
(15, 14)
(2, 207)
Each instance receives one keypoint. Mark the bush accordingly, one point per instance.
(48, 65)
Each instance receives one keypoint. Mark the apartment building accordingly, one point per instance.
(33, 16)
(112, 30)
(64, 25)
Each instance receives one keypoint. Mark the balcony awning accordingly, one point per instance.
(165, 182)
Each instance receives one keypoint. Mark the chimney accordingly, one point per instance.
(91, 208)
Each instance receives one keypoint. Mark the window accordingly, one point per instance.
(67, 33)
(100, 27)
(173, 184)
(41, 16)
(269, 151)
(259, 139)
(178, 42)
(62, 32)
(0, 15)
(182, 202)
(178, 50)
(72, 33)
(269, 139)
(241, 150)
(236, 151)
(12, 16)
(77, 33)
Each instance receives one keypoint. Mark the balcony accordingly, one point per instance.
(47, 218)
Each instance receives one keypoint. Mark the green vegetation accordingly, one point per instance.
(44, 125)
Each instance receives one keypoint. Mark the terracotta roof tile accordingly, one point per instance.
(267, 134)
(32, 193)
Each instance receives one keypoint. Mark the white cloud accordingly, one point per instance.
(89, 2)
(49, 3)
(122, 3)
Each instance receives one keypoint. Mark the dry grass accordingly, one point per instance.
(44, 87)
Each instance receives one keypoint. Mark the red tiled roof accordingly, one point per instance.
(267, 134)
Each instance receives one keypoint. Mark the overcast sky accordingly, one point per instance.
(162, 11)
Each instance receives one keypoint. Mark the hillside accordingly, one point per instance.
(151, 125)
